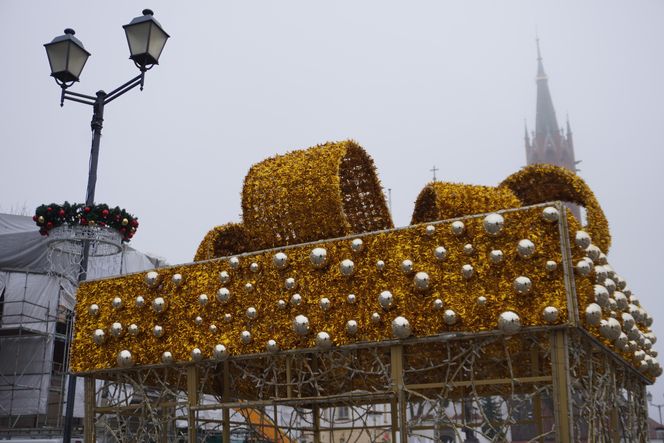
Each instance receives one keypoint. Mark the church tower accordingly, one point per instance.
(549, 143)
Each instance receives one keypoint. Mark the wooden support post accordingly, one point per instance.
(90, 404)
(226, 413)
(396, 366)
(316, 408)
(192, 396)
(615, 421)
(537, 399)
(561, 387)
(289, 386)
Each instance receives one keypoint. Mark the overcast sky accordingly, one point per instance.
(417, 84)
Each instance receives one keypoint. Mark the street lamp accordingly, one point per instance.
(659, 407)
(67, 57)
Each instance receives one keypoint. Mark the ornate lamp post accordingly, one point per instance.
(67, 57)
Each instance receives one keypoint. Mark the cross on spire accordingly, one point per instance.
(434, 169)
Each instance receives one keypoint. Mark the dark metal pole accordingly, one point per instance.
(96, 124)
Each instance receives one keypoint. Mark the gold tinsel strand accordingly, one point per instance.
(540, 183)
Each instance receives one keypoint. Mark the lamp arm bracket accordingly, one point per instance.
(128, 86)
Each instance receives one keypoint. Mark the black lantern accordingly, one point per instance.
(67, 56)
(146, 40)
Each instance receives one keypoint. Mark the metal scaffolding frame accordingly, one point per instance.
(543, 384)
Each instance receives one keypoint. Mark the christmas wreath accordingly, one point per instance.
(53, 215)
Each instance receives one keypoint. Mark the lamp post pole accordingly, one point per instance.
(659, 407)
(67, 57)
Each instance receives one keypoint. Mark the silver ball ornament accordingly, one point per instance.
(198, 320)
(493, 223)
(167, 358)
(600, 274)
(99, 336)
(158, 331)
(496, 256)
(223, 295)
(550, 214)
(280, 260)
(139, 302)
(248, 287)
(550, 314)
(385, 299)
(450, 317)
(468, 249)
(254, 267)
(621, 300)
(213, 329)
(351, 298)
(117, 303)
(234, 262)
(458, 228)
(437, 304)
(601, 296)
(593, 314)
(281, 305)
(421, 281)
(407, 266)
(401, 328)
(132, 329)
(525, 248)
(323, 340)
(440, 253)
(357, 245)
(290, 283)
(351, 327)
(196, 355)
(176, 279)
(325, 304)
(224, 277)
(610, 285)
(245, 336)
(582, 239)
(593, 252)
(551, 265)
(151, 278)
(301, 325)
(522, 285)
(583, 267)
(251, 313)
(219, 352)
(481, 300)
(116, 329)
(228, 318)
(467, 271)
(347, 267)
(622, 342)
(318, 257)
(380, 265)
(203, 299)
(509, 322)
(375, 318)
(296, 299)
(159, 305)
(272, 346)
(93, 310)
(125, 359)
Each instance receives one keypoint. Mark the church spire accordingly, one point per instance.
(546, 124)
(549, 143)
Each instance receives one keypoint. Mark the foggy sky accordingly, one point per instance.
(417, 84)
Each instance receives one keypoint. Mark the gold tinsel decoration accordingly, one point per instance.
(222, 241)
(415, 243)
(540, 183)
(442, 201)
(327, 191)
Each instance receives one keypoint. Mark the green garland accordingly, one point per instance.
(53, 215)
